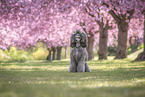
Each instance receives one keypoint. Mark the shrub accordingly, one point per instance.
(14, 55)
(40, 54)
(111, 51)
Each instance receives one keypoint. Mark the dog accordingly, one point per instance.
(79, 54)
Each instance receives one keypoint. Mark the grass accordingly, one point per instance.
(109, 78)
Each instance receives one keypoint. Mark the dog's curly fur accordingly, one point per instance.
(79, 55)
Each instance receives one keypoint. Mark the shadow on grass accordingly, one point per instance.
(18, 61)
(45, 90)
(117, 74)
(35, 63)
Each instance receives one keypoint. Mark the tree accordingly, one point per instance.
(141, 9)
(135, 35)
(49, 55)
(53, 50)
(26, 22)
(122, 11)
(89, 26)
(141, 56)
(97, 11)
(35, 21)
(59, 49)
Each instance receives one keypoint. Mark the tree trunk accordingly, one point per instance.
(90, 44)
(65, 51)
(133, 45)
(144, 34)
(90, 47)
(49, 55)
(141, 56)
(122, 33)
(122, 40)
(134, 48)
(54, 50)
(103, 44)
(59, 53)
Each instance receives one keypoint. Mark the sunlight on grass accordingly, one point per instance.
(92, 84)
(64, 60)
(109, 57)
(97, 84)
(31, 68)
(134, 55)
(99, 65)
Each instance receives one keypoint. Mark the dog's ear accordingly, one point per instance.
(72, 41)
(84, 39)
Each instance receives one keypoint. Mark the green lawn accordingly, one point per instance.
(109, 78)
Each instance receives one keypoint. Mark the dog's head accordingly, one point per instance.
(78, 36)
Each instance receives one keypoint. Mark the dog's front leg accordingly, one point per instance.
(87, 69)
(81, 66)
(72, 66)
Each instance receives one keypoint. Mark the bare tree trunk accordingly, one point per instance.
(103, 39)
(134, 48)
(122, 40)
(90, 47)
(54, 50)
(65, 51)
(90, 44)
(59, 53)
(103, 44)
(49, 55)
(134, 45)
